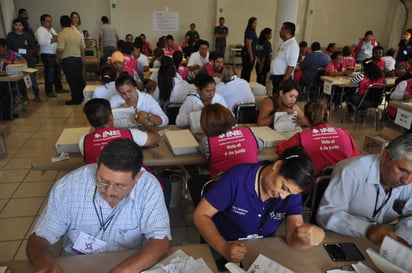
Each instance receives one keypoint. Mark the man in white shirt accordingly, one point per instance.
(285, 60)
(199, 58)
(47, 39)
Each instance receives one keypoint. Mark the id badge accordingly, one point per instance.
(86, 244)
(367, 51)
(22, 51)
(250, 237)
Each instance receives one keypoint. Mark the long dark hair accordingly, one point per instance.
(262, 36)
(165, 77)
(371, 70)
(250, 23)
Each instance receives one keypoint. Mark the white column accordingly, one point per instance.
(286, 11)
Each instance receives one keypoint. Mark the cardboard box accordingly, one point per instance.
(374, 143)
(69, 139)
(181, 142)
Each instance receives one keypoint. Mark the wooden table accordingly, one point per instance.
(159, 156)
(313, 260)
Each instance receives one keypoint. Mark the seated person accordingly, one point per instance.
(371, 74)
(389, 62)
(215, 65)
(234, 89)
(205, 95)
(118, 62)
(188, 46)
(231, 209)
(130, 52)
(336, 67)
(330, 49)
(106, 187)
(284, 101)
(139, 56)
(312, 62)
(377, 54)
(170, 87)
(219, 126)
(342, 144)
(99, 114)
(403, 91)
(303, 51)
(108, 89)
(146, 46)
(129, 38)
(157, 56)
(348, 59)
(143, 103)
(170, 46)
(199, 58)
(182, 70)
(403, 70)
(367, 193)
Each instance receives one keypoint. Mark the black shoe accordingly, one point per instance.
(62, 91)
(72, 102)
(51, 95)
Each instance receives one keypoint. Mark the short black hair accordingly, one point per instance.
(214, 55)
(43, 17)
(203, 42)
(128, 48)
(303, 44)
(22, 10)
(97, 112)
(65, 21)
(170, 37)
(335, 55)
(369, 32)
(377, 48)
(18, 20)
(105, 19)
(3, 42)
(315, 46)
(203, 80)
(125, 78)
(122, 155)
(290, 26)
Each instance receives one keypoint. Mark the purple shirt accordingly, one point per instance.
(241, 209)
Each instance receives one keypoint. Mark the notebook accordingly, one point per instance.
(285, 124)
(124, 117)
(181, 142)
(69, 139)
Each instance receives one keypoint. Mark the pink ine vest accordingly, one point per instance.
(363, 85)
(359, 46)
(408, 90)
(130, 64)
(94, 142)
(236, 146)
(183, 71)
(326, 145)
(349, 61)
(380, 64)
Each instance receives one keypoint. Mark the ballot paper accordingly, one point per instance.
(124, 117)
(180, 262)
(285, 124)
(393, 257)
(262, 264)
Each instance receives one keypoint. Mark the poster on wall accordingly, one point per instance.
(165, 21)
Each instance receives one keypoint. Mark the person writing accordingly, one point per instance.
(232, 208)
(323, 155)
(116, 196)
(367, 193)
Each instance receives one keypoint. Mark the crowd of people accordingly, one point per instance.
(116, 203)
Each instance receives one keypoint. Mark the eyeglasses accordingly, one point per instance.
(117, 186)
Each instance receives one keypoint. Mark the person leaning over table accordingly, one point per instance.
(252, 200)
(206, 94)
(367, 193)
(94, 204)
(336, 67)
(283, 101)
(143, 103)
(341, 146)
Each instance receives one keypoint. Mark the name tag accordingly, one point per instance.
(86, 244)
(22, 51)
(367, 51)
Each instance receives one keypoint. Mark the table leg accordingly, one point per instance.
(11, 100)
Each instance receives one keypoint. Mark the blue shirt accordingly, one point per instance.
(241, 209)
(252, 36)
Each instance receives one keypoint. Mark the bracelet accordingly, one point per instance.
(149, 116)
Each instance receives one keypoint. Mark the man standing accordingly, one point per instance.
(285, 60)
(115, 205)
(221, 32)
(47, 39)
(70, 49)
(108, 37)
(367, 193)
(24, 17)
(23, 43)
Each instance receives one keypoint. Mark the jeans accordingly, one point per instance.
(107, 52)
(221, 47)
(72, 67)
(247, 66)
(52, 73)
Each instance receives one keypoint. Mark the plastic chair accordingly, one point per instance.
(171, 110)
(374, 94)
(246, 112)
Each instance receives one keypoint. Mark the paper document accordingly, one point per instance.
(392, 257)
(285, 124)
(194, 122)
(262, 264)
(124, 117)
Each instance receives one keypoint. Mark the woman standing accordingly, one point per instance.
(249, 49)
(263, 55)
(404, 47)
(76, 22)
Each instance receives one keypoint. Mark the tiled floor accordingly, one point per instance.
(23, 191)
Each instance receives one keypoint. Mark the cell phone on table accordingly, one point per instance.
(341, 252)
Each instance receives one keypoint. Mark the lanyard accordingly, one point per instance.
(104, 224)
(376, 210)
(267, 212)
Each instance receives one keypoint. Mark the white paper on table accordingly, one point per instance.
(362, 268)
(397, 253)
(285, 124)
(338, 271)
(262, 264)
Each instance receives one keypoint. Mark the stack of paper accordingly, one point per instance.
(69, 139)
(194, 122)
(285, 124)
(124, 117)
(269, 137)
(181, 142)
(180, 262)
(262, 264)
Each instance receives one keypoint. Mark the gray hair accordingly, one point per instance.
(227, 74)
(400, 147)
